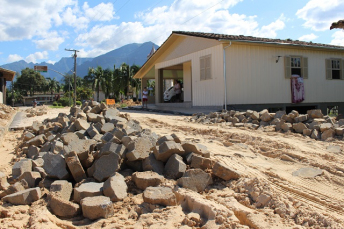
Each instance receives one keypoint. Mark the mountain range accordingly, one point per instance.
(130, 54)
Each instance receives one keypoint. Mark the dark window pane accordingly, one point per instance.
(336, 74)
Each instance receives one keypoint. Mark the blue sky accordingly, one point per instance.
(40, 30)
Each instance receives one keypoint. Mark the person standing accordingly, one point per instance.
(144, 97)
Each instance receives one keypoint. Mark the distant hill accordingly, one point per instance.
(129, 54)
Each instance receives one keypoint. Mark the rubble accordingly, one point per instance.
(293, 122)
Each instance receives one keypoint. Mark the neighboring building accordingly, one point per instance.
(5, 75)
(256, 75)
(41, 99)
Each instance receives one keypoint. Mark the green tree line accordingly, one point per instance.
(115, 83)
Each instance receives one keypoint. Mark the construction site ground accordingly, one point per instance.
(267, 159)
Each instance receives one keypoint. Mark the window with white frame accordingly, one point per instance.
(205, 67)
(296, 65)
(334, 69)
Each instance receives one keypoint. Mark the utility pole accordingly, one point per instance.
(74, 50)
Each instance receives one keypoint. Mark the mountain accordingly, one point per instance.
(129, 54)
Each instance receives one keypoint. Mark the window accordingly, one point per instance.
(296, 65)
(205, 67)
(334, 69)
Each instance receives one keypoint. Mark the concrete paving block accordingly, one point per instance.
(87, 190)
(32, 178)
(225, 172)
(24, 165)
(107, 137)
(28, 136)
(24, 197)
(96, 110)
(127, 139)
(97, 207)
(115, 187)
(67, 138)
(195, 179)
(106, 166)
(3, 181)
(39, 140)
(327, 134)
(61, 188)
(196, 148)
(168, 148)
(139, 149)
(152, 164)
(57, 147)
(159, 195)
(55, 166)
(81, 124)
(75, 166)
(110, 114)
(112, 147)
(81, 147)
(299, 127)
(107, 127)
(118, 133)
(175, 167)
(62, 207)
(146, 179)
(198, 161)
(164, 139)
(33, 152)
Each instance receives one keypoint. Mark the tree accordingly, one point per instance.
(135, 83)
(30, 81)
(96, 77)
(53, 85)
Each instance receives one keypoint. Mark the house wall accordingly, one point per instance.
(204, 92)
(1, 97)
(254, 77)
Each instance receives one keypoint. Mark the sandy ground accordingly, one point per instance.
(267, 196)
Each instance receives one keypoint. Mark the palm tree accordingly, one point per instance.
(96, 76)
(135, 83)
(107, 84)
(53, 85)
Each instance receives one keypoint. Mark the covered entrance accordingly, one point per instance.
(5, 75)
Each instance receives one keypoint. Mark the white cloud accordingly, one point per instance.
(157, 24)
(13, 58)
(36, 56)
(51, 62)
(101, 12)
(308, 37)
(338, 38)
(50, 41)
(320, 14)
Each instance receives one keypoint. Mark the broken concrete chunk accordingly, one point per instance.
(97, 207)
(115, 187)
(159, 195)
(146, 179)
(197, 161)
(24, 165)
(67, 138)
(315, 113)
(36, 141)
(107, 127)
(195, 179)
(225, 172)
(164, 139)
(81, 124)
(325, 126)
(327, 134)
(175, 167)
(33, 152)
(299, 127)
(61, 188)
(3, 181)
(112, 147)
(24, 197)
(110, 114)
(81, 147)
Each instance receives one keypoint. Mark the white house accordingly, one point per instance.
(5, 75)
(242, 72)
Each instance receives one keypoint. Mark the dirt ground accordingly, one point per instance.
(267, 196)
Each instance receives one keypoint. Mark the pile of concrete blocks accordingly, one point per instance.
(313, 124)
(85, 160)
(38, 111)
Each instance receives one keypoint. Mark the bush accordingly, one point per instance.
(55, 104)
(65, 101)
(78, 103)
(59, 104)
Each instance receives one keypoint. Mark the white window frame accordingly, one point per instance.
(205, 67)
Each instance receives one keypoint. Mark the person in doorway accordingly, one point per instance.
(144, 97)
(177, 90)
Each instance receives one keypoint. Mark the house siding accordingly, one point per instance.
(254, 77)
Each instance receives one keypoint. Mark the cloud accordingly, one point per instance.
(319, 14)
(13, 58)
(36, 56)
(338, 38)
(308, 37)
(101, 12)
(157, 24)
(51, 62)
(51, 41)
